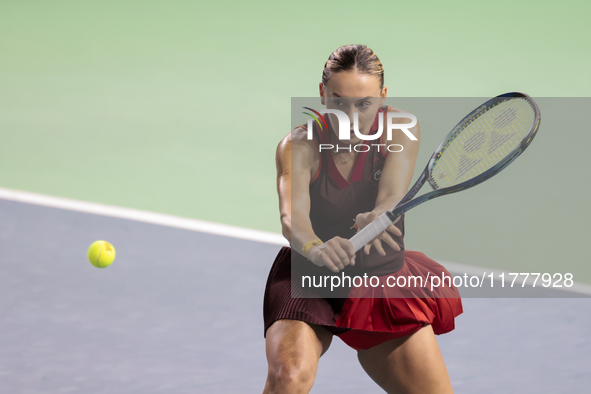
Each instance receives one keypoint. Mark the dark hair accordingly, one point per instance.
(353, 57)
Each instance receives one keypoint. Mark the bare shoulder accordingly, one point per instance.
(296, 143)
(401, 117)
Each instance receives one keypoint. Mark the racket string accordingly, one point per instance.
(482, 141)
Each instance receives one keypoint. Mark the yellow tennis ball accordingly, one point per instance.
(101, 254)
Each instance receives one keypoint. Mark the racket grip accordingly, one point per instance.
(370, 231)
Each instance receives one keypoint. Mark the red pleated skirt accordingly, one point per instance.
(368, 315)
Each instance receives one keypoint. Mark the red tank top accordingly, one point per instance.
(335, 202)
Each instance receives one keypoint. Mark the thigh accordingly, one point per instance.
(412, 364)
(289, 341)
(293, 350)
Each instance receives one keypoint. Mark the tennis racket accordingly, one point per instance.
(482, 144)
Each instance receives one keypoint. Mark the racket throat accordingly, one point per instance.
(392, 215)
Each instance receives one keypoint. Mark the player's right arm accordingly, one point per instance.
(296, 161)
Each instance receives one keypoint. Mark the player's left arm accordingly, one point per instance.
(395, 179)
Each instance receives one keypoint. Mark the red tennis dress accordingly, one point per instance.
(367, 315)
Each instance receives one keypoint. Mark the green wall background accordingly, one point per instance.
(177, 107)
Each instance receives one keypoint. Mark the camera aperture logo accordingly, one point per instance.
(344, 124)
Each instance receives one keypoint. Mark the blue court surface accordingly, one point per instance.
(180, 311)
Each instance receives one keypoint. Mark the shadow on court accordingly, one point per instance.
(181, 312)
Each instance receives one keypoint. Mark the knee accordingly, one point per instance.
(291, 377)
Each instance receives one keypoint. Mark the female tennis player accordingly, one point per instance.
(327, 195)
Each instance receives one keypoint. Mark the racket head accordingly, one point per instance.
(484, 142)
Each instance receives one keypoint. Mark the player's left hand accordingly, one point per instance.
(363, 219)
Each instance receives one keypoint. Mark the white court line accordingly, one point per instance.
(143, 216)
(214, 228)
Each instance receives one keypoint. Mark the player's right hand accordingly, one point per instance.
(335, 254)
